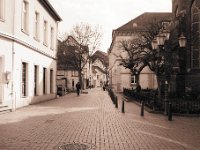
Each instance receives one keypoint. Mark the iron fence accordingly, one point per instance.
(186, 104)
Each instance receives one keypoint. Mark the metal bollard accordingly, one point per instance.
(142, 109)
(113, 98)
(170, 112)
(116, 102)
(122, 106)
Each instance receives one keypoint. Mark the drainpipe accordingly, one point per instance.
(13, 52)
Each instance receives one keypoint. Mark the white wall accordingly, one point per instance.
(34, 5)
(17, 47)
(6, 66)
(120, 76)
(6, 25)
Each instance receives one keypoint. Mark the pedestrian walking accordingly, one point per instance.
(78, 87)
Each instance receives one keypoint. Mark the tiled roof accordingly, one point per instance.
(140, 22)
(50, 9)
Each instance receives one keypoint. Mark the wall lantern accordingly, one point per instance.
(166, 33)
(160, 38)
(182, 40)
(7, 78)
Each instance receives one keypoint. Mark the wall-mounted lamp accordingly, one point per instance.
(182, 40)
(7, 77)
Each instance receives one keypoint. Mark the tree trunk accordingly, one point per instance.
(159, 86)
(80, 77)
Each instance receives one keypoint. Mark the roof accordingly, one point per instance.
(73, 42)
(140, 22)
(102, 56)
(98, 68)
(50, 9)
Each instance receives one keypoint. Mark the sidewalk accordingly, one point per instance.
(91, 120)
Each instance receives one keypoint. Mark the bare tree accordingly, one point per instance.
(135, 52)
(76, 53)
(140, 54)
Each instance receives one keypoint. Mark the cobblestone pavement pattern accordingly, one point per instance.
(93, 119)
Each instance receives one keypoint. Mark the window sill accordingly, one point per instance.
(24, 96)
(45, 44)
(25, 32)
(133, 83)
(36, 39)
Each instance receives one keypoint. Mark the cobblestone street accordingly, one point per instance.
(93, 119)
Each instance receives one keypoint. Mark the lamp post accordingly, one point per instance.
(162, 37)
(182, 65)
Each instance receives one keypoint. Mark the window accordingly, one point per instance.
(52, 38)
(35, 79)
(2, 9)
(45, 33)
(51, 81)
(44, 80)
(73, 83)
(25, 16)
(195, 29)
(36, 26)
(24, 79)
(133, 79)
(73, 73)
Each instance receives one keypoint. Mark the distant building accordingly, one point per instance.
(67, 72)
(28, 47)
(119, 77)
(99, 67)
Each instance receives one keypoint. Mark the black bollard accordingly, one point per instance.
(142, 109)
(113, 98)
(170, 112)
(122, 106)
(116, 102)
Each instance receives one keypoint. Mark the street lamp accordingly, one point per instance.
(182, 40)
(162, 37)
(182, 64)
(154, 44)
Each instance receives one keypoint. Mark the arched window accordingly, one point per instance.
(195, 30)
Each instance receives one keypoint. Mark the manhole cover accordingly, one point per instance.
(76, 146)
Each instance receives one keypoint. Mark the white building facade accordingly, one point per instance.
(98, 73)
(119, 77)
(28, 47)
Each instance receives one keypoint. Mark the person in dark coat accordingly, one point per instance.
(78, 87)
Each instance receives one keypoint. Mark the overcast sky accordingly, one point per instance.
(109, 14)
